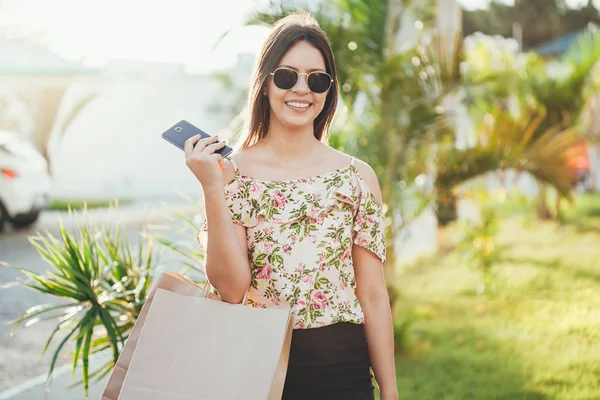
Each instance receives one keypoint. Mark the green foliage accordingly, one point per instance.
(534, 340)
(477, 242)
(66, 205)
(541, 20)
(178, 236)
(404, 328)
(504, 141)
(100, 281)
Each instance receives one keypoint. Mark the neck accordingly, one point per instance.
(290, 144)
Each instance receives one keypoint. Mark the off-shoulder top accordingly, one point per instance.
(300, 235)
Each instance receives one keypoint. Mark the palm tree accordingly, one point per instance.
(525, 81)
(505, 141)
(563, 90)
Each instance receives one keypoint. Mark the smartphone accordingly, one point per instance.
(183, 130)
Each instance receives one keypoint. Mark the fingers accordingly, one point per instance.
(196, 143)
(189, 144)
(211, 148)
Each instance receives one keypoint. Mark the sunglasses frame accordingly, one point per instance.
(298, 77)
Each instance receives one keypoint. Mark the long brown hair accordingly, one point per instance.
(295, 27)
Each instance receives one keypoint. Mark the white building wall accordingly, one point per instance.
(114, 149)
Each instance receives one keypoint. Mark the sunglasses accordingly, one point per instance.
(317, 81)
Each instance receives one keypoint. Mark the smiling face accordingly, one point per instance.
(297, 107)
(296, 41)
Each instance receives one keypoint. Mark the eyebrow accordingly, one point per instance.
(296, 69)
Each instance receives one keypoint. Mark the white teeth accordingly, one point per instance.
(299, 105)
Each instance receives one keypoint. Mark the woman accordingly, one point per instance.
(296, 222)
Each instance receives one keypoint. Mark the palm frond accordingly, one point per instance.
(509, 143)
(95, 271)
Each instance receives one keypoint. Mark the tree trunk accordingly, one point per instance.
(558, 208)
(543, 212)
(446, 213)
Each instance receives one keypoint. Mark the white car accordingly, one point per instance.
(24, 181)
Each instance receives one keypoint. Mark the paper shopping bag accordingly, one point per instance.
(186, 345)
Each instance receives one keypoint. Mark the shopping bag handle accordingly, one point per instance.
(207, 285)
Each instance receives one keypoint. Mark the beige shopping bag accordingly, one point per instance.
(187, 345)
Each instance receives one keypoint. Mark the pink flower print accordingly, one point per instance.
(253, 188)
(321, 324)
(362, 241)
(347, 304)
(301, 325)
(359, 218)
(301, 302)
(265, 272)
(299, 268)
(322, 268)
(294, 238)
(345, 254)
(321, 219)
(343, 284)
(316, 197)
(267, 246)
(313, 238)
(276, 301)
(321, 258)
(370, 220)
(319, 300)
(287, 249)
(269, 230)
(314, 211)
(308, 279)
(279, 199)
(334, 240)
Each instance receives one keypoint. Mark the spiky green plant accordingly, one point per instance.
(101, 281)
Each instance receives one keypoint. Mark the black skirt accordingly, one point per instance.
(331, 362)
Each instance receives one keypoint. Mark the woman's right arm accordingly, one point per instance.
(227, 262)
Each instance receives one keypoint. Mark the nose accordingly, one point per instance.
(301, 85)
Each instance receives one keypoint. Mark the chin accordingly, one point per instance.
(296, 123)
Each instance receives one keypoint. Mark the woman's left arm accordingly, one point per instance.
(372, 294)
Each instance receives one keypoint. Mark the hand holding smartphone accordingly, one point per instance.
(183, 130)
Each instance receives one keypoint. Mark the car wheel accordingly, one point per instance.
(25, 220)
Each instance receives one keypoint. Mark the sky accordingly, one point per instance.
(174, 31)
(178, 31)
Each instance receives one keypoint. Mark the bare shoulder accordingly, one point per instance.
(243, 159)
(228, 171)
(369, 176)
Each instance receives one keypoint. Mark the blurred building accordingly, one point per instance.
(113, 146)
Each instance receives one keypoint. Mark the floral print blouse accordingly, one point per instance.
(300, 235)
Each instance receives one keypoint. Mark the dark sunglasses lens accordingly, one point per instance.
(319, 82)
(285, 78)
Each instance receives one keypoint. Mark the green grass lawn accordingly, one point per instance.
(63, 205)
(537, 337)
